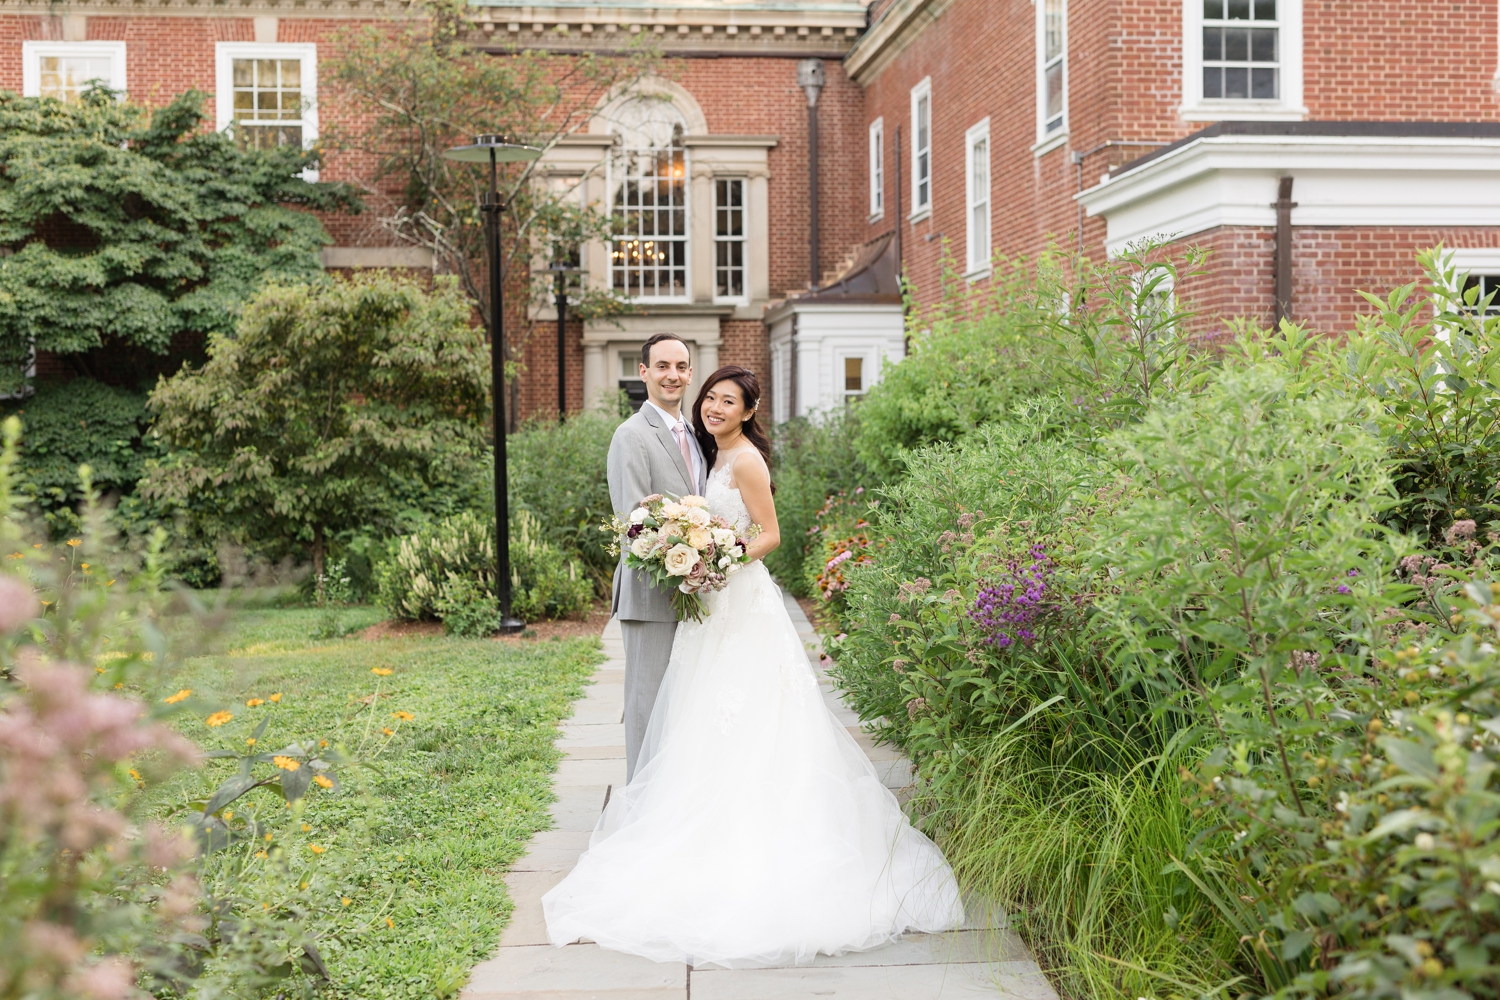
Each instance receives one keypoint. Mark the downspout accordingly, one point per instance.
(811, 78)
(1284, 205)
(900, 261)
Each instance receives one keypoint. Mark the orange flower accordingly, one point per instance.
(276, 697)
(403, 716)
(322, 744)
(217, 719)
(323, 781)
(390, 923)
(346, 900)
(250, 741)
(316, 849)
(306, 828)
(255, 702)
(135, 774)
(381, 671)
(389, 732)
(75, 542)
(285, 763)
(173, 699)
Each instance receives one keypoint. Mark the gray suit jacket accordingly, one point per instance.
(644, 459)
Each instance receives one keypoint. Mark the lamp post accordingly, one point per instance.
(496, 149)
(560, 272)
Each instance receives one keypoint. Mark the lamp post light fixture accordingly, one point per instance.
(496, 149)
(560, 272)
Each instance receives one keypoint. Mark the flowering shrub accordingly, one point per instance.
(1009, 607)
(841, 538)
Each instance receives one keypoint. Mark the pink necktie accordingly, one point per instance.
(679, 431)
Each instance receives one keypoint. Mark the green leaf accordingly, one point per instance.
(231, 789)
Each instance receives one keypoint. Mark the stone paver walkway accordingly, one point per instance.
(981, 960)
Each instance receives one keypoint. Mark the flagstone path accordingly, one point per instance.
(981, 960)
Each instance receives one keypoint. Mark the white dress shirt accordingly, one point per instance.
(672, 424)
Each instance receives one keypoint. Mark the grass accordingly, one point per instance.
(418, 841)
(1080, 860)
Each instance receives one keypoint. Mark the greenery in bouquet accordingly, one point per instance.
(678, 543)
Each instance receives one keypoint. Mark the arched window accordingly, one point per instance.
(648, 200)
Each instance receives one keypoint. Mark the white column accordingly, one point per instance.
(707, 363)
(595, 376)
(758, 225)
(701, 234)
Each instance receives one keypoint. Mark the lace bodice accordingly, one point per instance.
(725, 500)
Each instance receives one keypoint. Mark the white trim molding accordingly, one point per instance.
(1045, 137)
(978, 206)
(1341, 180)
(877, 170)
(921, 150)
(33, 52)
(1286, 107)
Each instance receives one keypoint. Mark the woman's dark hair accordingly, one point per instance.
(749, 387)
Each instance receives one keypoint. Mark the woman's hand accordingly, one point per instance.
(754, 482)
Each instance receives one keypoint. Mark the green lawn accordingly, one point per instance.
(418, 841)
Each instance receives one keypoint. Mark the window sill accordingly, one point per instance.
(875, 216)
(979, 274)
(1242, 111)
(1050, 143)
(920, 215)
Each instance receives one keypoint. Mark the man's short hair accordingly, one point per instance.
(657, 339)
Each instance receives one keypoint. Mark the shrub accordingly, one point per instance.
(450, 568)
(813, 459)
(557, 474)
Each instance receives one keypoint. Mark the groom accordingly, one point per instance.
(652, 452)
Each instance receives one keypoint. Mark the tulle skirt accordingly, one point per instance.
(755, 831)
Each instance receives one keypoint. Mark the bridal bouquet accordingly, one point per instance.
(678, 543)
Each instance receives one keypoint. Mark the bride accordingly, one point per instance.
(755, 831)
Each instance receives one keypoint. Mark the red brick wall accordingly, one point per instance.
(537, 393)
(745, 344)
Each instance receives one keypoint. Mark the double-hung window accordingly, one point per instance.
(1051, 51)
(1482, 287)
(977, 184)
(64, 70)
(648, 204)
(268, 91)
(1242, 59)
(877, 169)
(921, 147)
(729, 238)
(1241, 50)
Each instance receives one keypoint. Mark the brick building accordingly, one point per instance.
(960, 127)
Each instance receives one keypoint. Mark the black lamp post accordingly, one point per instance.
(495, 149)
(560, 271)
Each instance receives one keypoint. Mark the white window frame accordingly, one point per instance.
(866, 361)
(921, 209)
(689, 241)
(1049, 140)
(32, 53)
(743, 239)
(1476, 260)
(978, 243)
(1289, 107)
(877, 170)
(225, 53)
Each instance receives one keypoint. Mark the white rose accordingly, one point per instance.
(697, 517)
(672, 509)
(725, 562)
(723, 537)
(639, 515)
(698, 538)
(694, 501)
(680, 560)
(643, 544)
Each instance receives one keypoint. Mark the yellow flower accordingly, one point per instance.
(403, 716)
(285, 763)
(84, 565)
(276, 697)
(302, 885)
(135, 774)
(260, 854)
(346, 901)
(179, 696)
(316, 849)
(390, 923)
(255, 702)
(110, 583)
(322, 744)
(75, 542)
(268, 838)
(389, 732)
(306, 828)
(217, 719)
(250, 741)
(119, 685)
(228, 814)
(323, 781)
(37, 545)
(381, 671)
(98, 670)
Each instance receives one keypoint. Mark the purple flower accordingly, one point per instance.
(1009, 609)
(1353, 572)
(635, 529)
(1344, 590)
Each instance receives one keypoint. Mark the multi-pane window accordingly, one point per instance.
(268, 102)
(854, 377)
(1053, 55)
(977, 143)
(921, 146)
(877, 167)
(64, 70)
(1241, 50)
(729, 238)
(649, 255)
(1488, 286)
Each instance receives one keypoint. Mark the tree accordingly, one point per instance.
(328, 399)
(420, 90)
(133, 225)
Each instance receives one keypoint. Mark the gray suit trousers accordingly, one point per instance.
(648, 648)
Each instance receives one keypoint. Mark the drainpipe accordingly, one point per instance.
(897, 223)
(811, 78)
(1284, 205)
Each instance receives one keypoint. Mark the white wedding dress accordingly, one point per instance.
(755, 832)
